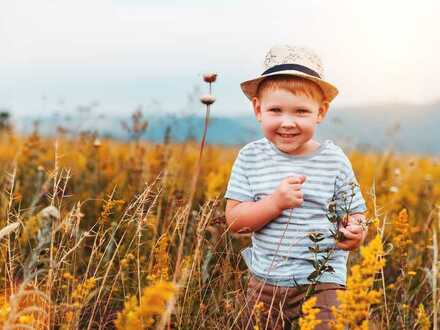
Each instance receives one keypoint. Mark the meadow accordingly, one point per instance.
(104, 234)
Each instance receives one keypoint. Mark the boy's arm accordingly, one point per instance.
(347, 186)
(245, 217)
(249, 216)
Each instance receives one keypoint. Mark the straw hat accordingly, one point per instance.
(295, 61)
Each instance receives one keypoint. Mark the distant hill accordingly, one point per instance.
(413, 129)
(406, 128)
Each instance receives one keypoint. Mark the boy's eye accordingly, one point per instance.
(275, 110)
(303, 111)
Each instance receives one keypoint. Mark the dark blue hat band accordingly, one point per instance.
(296, 67)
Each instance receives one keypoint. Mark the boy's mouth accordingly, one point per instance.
(287, 135)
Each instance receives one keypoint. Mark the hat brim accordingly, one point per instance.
(250, 87)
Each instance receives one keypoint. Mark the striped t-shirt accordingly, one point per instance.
(280, 250)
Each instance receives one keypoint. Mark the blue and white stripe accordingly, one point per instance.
(280, 250)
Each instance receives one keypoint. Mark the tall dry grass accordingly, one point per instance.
(92, 232)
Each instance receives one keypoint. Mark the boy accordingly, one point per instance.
(281, 187)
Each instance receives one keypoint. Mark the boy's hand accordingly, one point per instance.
(354, 233)
(288, 194)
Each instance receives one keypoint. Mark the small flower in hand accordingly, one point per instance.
(354, 234)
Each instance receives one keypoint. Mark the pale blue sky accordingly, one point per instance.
(58, 54)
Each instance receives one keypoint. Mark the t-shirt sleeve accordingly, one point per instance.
(238, 186)
(348, 195)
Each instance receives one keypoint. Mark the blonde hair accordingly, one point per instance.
(293, 84)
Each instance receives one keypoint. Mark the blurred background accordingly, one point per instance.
(87, 66)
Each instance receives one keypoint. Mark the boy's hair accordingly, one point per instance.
(293, 84)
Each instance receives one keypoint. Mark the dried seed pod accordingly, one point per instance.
(207, 99)
(210, 77)
(97, 143)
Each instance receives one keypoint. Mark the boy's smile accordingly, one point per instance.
(289, 120)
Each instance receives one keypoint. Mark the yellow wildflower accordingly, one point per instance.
(69, 316)
(309, 309)
(401, 240)
(356, 300)
(216, 181)
(160, 269)
(136, 316)
(375, 222)
(259, 308)
(107, 208)
(68, 276)
(422, 318)
(79, 296)
(82, 291)
(124, 263)
(4, 311)
(26, 319)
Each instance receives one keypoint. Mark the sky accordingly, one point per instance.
(118, 54)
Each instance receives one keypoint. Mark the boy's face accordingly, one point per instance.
(288, 120)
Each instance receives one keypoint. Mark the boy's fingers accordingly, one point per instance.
(298, 194)
(295, 186)
(296, 179)
(349, 235)
(355, 229)
(292, 180)
(347, 245)
(302, 178)
(341, 245)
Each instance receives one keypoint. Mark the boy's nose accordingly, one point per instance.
(288, 122)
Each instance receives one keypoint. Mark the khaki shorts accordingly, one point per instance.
(282, 305)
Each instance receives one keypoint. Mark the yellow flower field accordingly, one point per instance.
(112, 235)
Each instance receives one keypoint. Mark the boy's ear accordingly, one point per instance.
(322, 111)
(257, 108)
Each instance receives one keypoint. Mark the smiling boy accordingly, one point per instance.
(281, 187)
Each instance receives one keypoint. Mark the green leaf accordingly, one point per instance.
(329, 269)
(316, 236)
(313, 263)
(340, 236)
(314, 249)
(313, 275)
